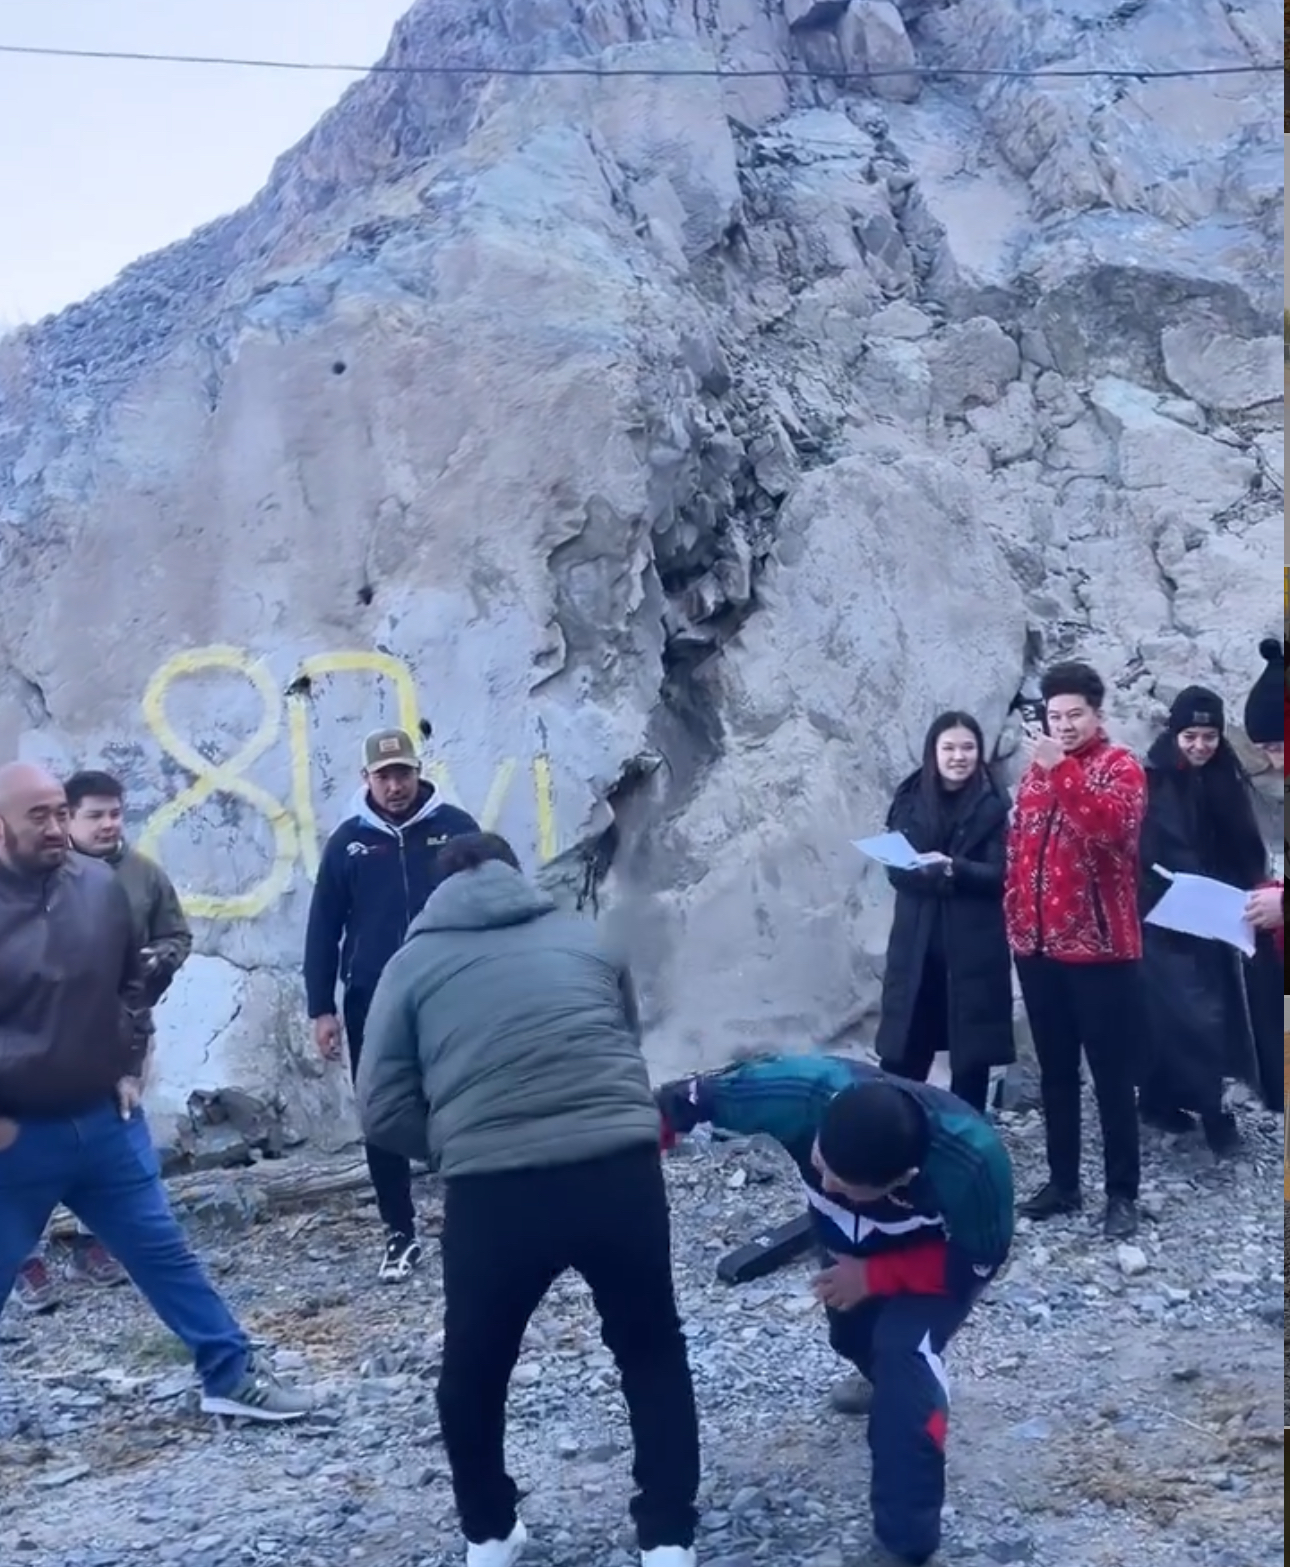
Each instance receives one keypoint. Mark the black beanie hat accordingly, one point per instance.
(1265, 721)
(1197, 708)
(872, 1134)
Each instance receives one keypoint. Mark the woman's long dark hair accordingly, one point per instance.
(1222, 793)
(935, 795)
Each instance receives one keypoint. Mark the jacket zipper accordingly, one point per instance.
(1039, 879)
(942, 914)
(407, 886)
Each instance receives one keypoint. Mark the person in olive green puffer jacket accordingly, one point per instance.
(503, 1043)
(508, 1035)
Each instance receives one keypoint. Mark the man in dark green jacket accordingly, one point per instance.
(96, 826)
(911, 1196)
(503, 1044)
(96, 801)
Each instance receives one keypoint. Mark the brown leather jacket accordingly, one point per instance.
(73, 1015)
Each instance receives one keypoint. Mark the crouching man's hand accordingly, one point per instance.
(129, 1096)
(8, 1134)
(678, 1106)
(842, 1285)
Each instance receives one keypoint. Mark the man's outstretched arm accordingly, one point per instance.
(780, 1096)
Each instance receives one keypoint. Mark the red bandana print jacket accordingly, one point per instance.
(1071, 890)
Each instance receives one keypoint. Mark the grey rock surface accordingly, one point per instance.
(1099, 1415)
(677, 448)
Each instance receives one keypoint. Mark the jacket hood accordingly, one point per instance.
(113, 857)
(1162, 756)
(492, 895)
(981, 786)
(362, 810)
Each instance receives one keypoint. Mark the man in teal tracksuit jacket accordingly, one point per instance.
(911, 1195)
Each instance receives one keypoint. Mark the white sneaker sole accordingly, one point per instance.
(35, 1302)
(400, 1272)
(232, 1410)
(499, 1553)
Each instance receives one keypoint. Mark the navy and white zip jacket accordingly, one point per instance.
(373, 881)
(948, 1232)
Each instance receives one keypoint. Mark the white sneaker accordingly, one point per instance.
(402, 1257)
(669, 1556)
(501, 1553)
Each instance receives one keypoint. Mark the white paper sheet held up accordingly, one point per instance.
(892, 849)
(1200, 906)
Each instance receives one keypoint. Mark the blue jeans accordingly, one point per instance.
(106, 1171)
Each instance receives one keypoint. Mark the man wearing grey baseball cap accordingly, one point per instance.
(377, 870)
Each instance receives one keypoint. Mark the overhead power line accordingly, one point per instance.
(716, 73)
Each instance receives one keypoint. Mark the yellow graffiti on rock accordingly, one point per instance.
(294, 829)
(211, 779)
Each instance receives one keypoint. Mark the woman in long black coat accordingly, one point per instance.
(1200, 819)
(948, 981)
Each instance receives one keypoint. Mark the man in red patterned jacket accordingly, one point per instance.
(1070, 902)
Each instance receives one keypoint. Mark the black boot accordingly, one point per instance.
(852, 1396)
(1176, 1122)
(1050, 1202)
(1221, 1134)
(1121, 1219)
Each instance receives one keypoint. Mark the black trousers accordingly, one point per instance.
(391, 1174)
(1265, 986)
(506, 1239)
(929, 1032)
(1097, 1007)
(897, 1343)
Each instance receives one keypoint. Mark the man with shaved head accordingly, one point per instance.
(74, 1032)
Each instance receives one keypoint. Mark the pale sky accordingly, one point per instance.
(104, 161)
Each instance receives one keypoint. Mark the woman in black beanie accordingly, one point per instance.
(1201, 820)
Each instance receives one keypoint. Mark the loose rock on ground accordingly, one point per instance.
(1109, 1408)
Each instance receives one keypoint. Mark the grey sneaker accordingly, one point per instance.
(34, 1289)
(852, 1396)
(260, 1396)
(93, 1263)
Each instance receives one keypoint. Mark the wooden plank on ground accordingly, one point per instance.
(277, 1186)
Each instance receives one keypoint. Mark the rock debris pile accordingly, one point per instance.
(1110, 1405)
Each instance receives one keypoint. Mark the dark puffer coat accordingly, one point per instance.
(958, 919)
(1197, 992)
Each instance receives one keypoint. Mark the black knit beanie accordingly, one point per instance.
(1197, 708)
(1265, 706)
(872, 1134)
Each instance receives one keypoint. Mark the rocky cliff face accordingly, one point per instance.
(676, 447)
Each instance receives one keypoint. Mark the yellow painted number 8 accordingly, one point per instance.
(211, 779)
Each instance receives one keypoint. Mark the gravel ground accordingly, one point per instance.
(1111, 1407)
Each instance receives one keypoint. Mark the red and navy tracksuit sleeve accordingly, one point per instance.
(967, 1172)
(969, 1175)
(779, 1096)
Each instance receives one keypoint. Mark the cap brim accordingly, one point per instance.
(394, 761)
